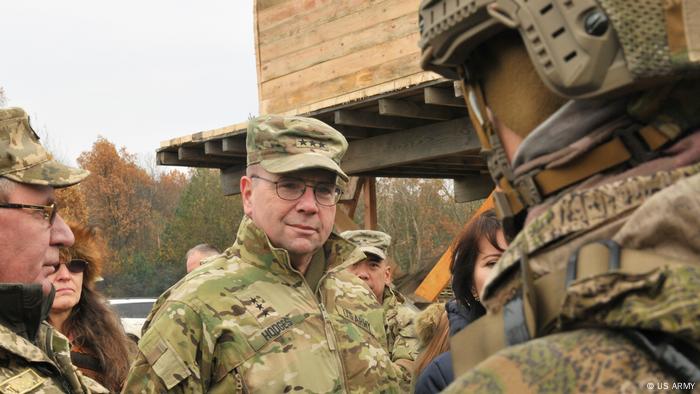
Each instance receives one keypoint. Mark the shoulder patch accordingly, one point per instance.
(24, 382)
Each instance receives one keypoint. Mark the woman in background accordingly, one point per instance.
(478, 249)
(100, 349)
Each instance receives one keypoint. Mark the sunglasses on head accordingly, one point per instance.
(75, 266)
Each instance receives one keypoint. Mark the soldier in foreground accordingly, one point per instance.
(278, 311)
(33, 356)
(376, 272)
(587, 112)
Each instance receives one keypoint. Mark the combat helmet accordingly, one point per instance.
(580, 49)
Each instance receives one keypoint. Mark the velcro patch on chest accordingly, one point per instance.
(355, 318)
(24, 382)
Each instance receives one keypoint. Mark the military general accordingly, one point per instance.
(278, 311)
(33, 356)
(398, 314)
(588, 115)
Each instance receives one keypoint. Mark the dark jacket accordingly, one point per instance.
(439, 374)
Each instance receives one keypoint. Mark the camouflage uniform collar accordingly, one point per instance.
(20, 346)
(23, 307)
(585, 210)
(253, 246)
(392, 296)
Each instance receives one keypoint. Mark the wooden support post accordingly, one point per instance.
(446, 97)
(231, 180)
(370, 193)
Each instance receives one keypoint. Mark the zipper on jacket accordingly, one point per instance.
(240, 385)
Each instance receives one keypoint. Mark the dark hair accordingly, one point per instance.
(465, 254)
(94, 327)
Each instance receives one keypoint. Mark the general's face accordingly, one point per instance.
(28, 243)
(69, 286)
(375, 272)
(301, 226)
(486, 260)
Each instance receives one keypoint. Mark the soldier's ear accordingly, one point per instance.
(246, 186)
(387, 274)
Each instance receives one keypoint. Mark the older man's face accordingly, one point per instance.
(300, 226)
(375, 272)
(28, 243)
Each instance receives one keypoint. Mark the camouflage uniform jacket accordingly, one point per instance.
(248, 322)
(591, 349)
(44, 367)
(398, 320)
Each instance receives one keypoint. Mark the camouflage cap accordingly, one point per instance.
(24, 160)
(282, 144)
(369, 241)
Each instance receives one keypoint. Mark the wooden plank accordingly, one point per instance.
(446, 97)
(297, 18)
(166, 158)
(410, 109)
(230, 179)
(234, 145)
(376, 79)
(343, 222)
(369, 120)
(440, 275)
(213, 148)
(350, 132)
(189, 154)
(299, 52)
(370, 200)
(345, 65)
(472, 187)
(264, 4)
(457, 86)
(429, 142)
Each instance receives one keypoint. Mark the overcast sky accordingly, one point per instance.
(134, 72)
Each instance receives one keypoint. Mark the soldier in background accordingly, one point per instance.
(33, 356)
(197, 253)
(587, 113)
(278, 311)
(376, 272)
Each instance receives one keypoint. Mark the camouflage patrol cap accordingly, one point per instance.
(369, 241)
(24, 160)
(282, 144)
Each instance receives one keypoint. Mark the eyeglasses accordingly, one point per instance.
(326, 194)
(75, 266)
(49, 211)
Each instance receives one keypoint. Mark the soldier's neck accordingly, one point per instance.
(300, 262)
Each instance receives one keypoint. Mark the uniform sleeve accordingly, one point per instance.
(405, 346)
(170, 354)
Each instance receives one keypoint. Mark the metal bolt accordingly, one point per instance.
(596, 23)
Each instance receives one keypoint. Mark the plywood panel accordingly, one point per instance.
(351, 24)
(295, 17)
(345, 65)
(378, 34)
(317, 91)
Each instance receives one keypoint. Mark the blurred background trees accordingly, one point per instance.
(152, 216)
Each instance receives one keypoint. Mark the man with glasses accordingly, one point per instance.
(376, 272)
(32, 355)
(278, 311)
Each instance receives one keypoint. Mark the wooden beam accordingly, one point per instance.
(472, 187)
(214, 148)
(458, 89)
(429, 142)
(231, 180)
(165, 158)
(233, 145)
(370, 119)
(446, 97)
(410, 109)
(197, 155)
(351, 195)
(370, 200)
(352, 133)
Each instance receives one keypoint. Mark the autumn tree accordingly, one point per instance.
(203, 215)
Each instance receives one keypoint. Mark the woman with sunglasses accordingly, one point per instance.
(100, 348)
